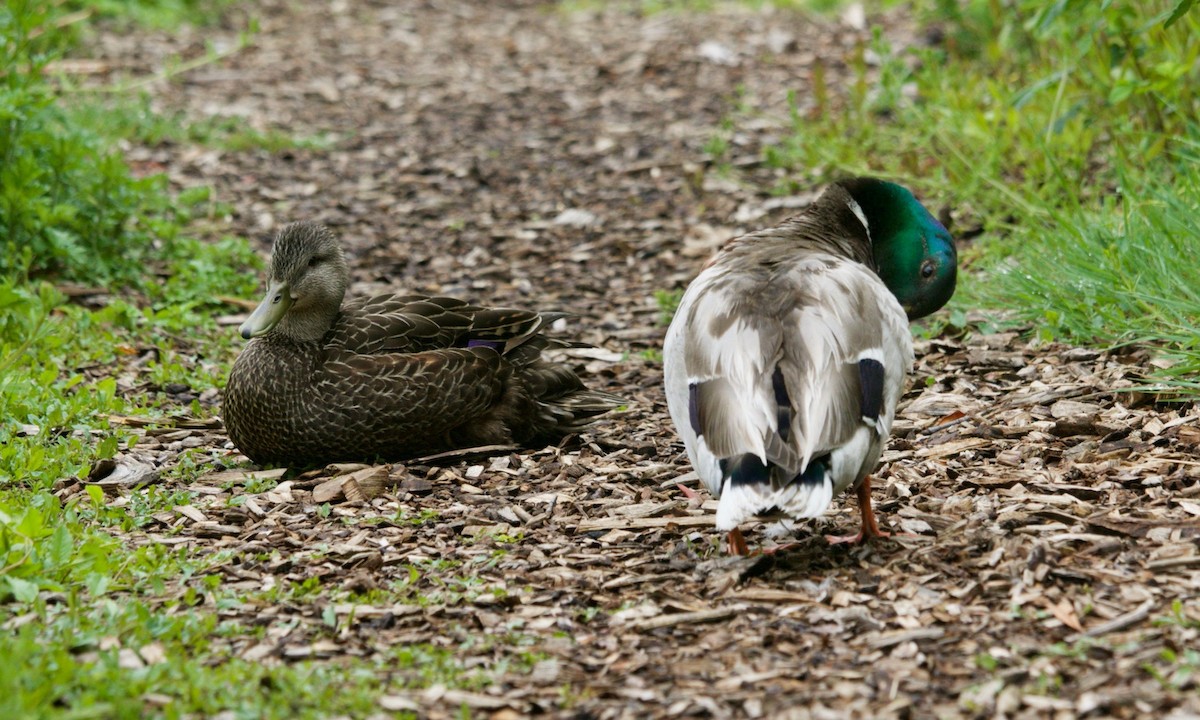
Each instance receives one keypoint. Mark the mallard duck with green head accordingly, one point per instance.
(392, 376)
(788, 354)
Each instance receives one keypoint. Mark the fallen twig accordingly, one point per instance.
(620, 523)
(1185, 561)
(687, 618)
(1120, 622)
(895, 638)
(466, 452)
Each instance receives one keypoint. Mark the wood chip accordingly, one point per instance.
(772, 596)
(643, 523)
(952, 448)
(358, 486)
(1120, 622)
(1167, 563)
(192, 513)
(887, 640)
(685, 618)
(240, 476)
(457, 698)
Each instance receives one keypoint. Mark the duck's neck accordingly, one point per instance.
(309, 325)
(836, 229)
(895, 221)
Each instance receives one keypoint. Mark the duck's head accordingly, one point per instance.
(306, 282)
(914, 254)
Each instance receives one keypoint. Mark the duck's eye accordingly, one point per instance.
(927, 269)
(312, 261)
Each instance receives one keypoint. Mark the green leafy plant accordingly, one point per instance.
(67, 204)
(668, 303)
(1182, 668)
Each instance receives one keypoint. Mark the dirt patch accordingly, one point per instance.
(521, 155)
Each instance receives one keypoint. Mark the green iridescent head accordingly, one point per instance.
(914, 253)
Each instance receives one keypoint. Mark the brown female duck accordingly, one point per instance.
(391, 376)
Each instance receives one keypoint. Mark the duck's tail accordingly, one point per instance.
(572, 412)
(563, 404)
(750, 487)
(543, 399)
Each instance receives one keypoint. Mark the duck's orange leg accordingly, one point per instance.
(870, 528)
(737, 543)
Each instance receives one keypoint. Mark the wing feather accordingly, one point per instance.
(417, 323)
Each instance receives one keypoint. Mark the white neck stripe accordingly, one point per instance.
(858, 213)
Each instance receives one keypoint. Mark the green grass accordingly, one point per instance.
(164, 14)
(72, 678)
(133, 119)
(1123, 272)
(1062, 131)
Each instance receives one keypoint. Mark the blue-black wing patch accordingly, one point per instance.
(783, 404)
(746, 469)
(870, 382)
(694, 408)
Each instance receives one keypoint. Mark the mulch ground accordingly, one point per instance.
(525, 156)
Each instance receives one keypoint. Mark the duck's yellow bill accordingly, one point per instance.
(269, 312)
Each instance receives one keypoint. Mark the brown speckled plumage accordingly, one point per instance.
(389, 377)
